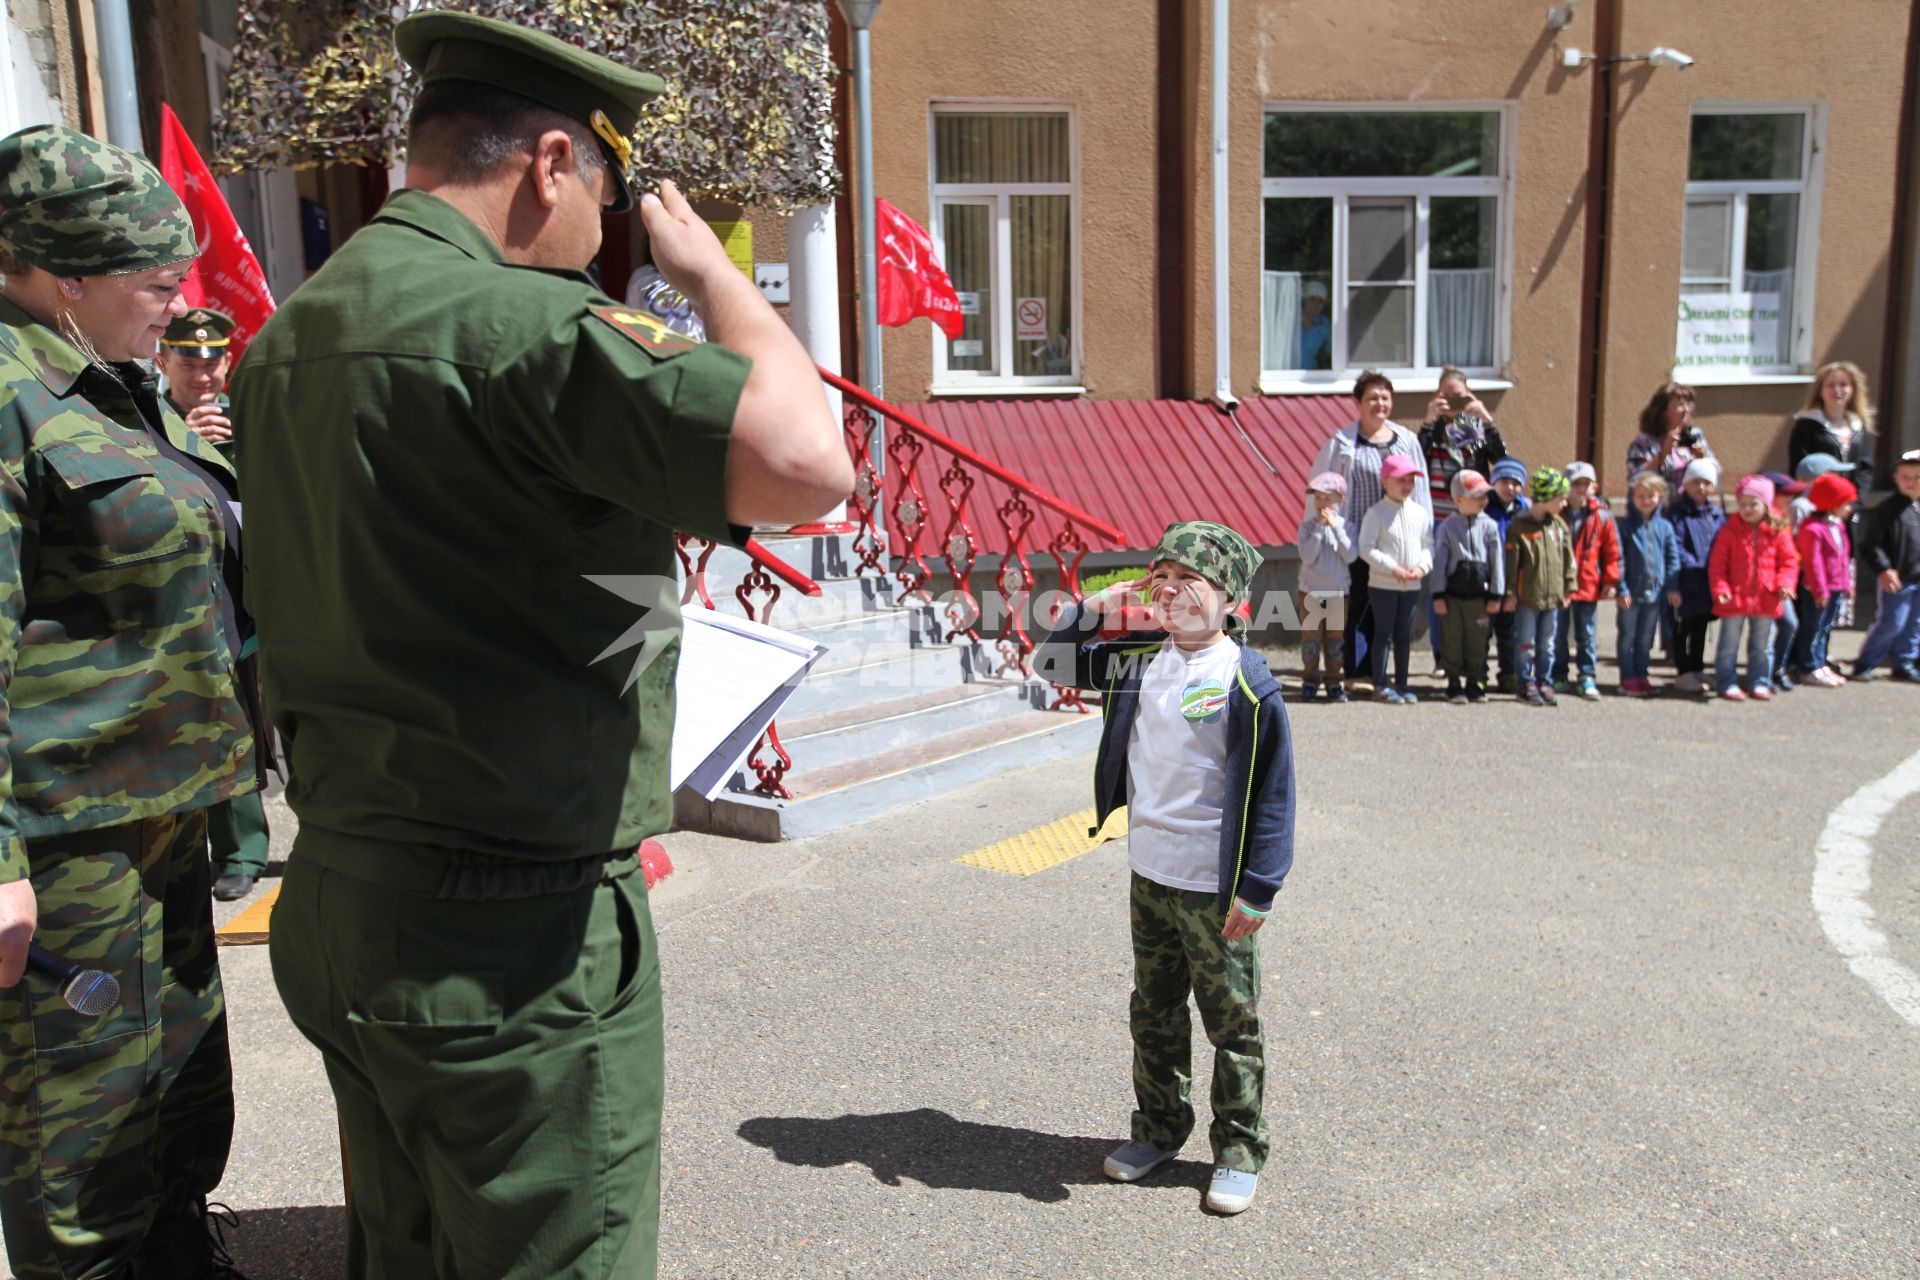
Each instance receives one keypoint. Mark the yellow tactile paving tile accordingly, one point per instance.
(1047, 846)
(249, 928)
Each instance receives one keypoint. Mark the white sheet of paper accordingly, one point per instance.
(733, 678)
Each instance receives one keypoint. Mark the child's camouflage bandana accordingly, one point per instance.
(1213, 551)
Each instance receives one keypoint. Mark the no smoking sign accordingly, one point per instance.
(1030, 320)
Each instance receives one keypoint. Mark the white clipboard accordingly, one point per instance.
(733, 678)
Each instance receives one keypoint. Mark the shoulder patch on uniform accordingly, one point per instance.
(646, 330)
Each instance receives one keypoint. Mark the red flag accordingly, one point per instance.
(227, 277)
(912, 281)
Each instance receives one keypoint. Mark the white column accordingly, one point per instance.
(813, 311)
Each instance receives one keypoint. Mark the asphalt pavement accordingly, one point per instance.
(1546, 995)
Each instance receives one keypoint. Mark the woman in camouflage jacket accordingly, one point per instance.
(119, 725)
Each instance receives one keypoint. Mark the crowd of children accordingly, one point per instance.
(1524, 562)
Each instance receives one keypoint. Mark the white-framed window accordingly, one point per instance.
(1384, 241)
(1006, 219)
(1749, 242)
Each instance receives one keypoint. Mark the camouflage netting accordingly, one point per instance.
(747, 115)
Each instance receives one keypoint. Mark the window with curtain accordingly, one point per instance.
(1005, 215)
(1741, 272)
(1381, 241)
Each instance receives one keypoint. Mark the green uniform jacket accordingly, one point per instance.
(439, 447)
(1541, 573)
(119, 699)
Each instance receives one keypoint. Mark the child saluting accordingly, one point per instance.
(1196, 744)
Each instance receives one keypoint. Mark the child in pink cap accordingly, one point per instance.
(1751, 571)
(1396, 541)
(1326, 554)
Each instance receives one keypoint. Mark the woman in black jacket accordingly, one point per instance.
(1838, 419)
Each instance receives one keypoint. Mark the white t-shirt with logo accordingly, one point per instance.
(1177, 765)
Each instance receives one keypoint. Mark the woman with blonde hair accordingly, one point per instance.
(1838, 418)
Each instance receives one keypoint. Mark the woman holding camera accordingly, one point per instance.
(1458, 435)
(1668, 440)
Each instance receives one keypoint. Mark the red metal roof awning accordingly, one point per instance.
(1143, 464)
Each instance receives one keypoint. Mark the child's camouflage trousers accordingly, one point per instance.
(111, 1125)
(1177, 950)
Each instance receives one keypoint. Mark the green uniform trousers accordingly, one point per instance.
(237, 834)
(1465, 630)
(1178, 951)
(497, 1063)
(110, 1125)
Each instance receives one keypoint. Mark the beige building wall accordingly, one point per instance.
(1097, 55)
(1391, 51)
(1102, 59)
(1847, 55)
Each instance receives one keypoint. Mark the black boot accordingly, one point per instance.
(188, 1243)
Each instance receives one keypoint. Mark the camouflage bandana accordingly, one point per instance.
(1213, 551)
(1548, 483)
(75, 206)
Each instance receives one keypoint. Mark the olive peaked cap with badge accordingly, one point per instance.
(202, 332)
(1213, 551)
(601, 94)
(73, 205)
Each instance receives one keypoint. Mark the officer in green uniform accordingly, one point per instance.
(195, 358)
(122, 727)
(444, 431)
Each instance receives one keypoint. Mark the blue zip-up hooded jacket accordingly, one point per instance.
(1695, 526)
(1256, 828)
(1649, 558)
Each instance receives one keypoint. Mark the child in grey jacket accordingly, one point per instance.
(1326, 552)
(1468, 581)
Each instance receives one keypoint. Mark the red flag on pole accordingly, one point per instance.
(912, 281)
(227, 277)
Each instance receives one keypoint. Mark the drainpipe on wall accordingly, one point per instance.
(121, 88)
(1593, 271)
(1222, 300)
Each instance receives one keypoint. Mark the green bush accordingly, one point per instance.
(1094, 582)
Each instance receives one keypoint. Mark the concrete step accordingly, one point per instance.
(885, 633)
(885, 674)
(880, 728)
(829, 798)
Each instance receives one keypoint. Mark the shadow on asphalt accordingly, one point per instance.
(933, 1148)
(307, 1242)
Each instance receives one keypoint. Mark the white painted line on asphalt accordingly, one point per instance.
(1842, 872)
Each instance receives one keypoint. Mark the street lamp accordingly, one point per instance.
(859, 15)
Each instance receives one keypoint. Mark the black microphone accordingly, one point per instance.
(89, 992)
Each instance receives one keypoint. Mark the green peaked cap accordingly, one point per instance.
(603, 95)
(201, 332)
(76, 206)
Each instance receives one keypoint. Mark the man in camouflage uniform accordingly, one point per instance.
(441, 433)
(122, 727)
(193, 358)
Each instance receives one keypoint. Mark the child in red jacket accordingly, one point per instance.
(1752, 569)
(1596, 562)
(1826, 575)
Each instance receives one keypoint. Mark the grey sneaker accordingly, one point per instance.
(1134, 1161)
(1232, 1190)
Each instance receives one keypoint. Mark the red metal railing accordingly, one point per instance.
(921, 460)
(934, 481)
